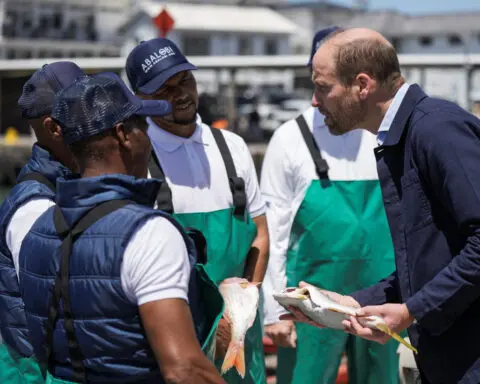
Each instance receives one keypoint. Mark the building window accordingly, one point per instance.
(425, 41)
(455, 40)
(245, 46)
(271, 47)
(196, 45)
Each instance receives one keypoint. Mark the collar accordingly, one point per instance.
(391, 113)
(169, 142)
(43, 162)
(76, 192)
(413, 96)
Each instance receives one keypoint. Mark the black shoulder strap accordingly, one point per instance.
(37, 176)
(321, 165)
(237, 184)
(61, 287)
(164, 195)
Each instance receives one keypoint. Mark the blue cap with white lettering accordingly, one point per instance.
(153, 62)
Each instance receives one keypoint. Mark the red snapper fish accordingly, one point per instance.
(241, 303)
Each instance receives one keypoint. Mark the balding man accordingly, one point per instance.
(327, 226)
(428, 165)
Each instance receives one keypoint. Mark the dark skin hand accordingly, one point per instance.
(174, 342)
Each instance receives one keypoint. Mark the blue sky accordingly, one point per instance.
(417, 6)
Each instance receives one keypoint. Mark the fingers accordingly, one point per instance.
(370, 310)
(367, 333)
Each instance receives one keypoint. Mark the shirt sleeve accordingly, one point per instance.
(21, 222)
(278, 191)
(449, 163)
(155, 263)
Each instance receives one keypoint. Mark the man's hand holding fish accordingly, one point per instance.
(396, 317)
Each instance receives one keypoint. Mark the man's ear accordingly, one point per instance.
(123, 136)
(365, 84)
(53, 130)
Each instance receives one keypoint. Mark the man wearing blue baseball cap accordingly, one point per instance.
(123, 273)
(328, 228)
(210, 182)
(33, 195)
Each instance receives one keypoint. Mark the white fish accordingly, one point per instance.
(319, 307)
(241, 303)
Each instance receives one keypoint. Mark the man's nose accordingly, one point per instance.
(314, 101)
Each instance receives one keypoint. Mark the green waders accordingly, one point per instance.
(340, 241)
(229, 234)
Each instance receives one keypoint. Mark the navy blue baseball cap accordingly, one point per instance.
(38, 92)
(153, 62)
(96, 103)
(318, 38)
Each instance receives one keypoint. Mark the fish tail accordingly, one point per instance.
(235, 357)
(397, 337)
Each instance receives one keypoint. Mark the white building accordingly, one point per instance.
(218, 30)
(61, 28)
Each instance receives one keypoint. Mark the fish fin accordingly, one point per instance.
(235, 357)
(240, 362)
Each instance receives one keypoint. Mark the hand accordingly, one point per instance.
(223, 338)
(396, 316)
(282, 333)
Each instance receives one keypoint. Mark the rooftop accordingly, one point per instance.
(219, 18)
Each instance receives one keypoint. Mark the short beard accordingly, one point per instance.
(184, 121)
(353, 115)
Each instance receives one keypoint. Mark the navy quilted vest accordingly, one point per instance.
(107, 324)
(13, 326)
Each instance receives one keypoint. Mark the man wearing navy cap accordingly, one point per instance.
(123, 273)
(211, 182)
(33, 195)
(328, 227)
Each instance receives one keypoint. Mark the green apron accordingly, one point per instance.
(229, 234)
(15, 369)
(340, 241)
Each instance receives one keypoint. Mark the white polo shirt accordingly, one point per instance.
(155, 263)
(195, 171)
(287, 172)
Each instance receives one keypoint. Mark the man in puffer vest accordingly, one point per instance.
(33, 195)
(107, 280)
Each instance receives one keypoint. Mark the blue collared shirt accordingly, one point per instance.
(391, 113)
